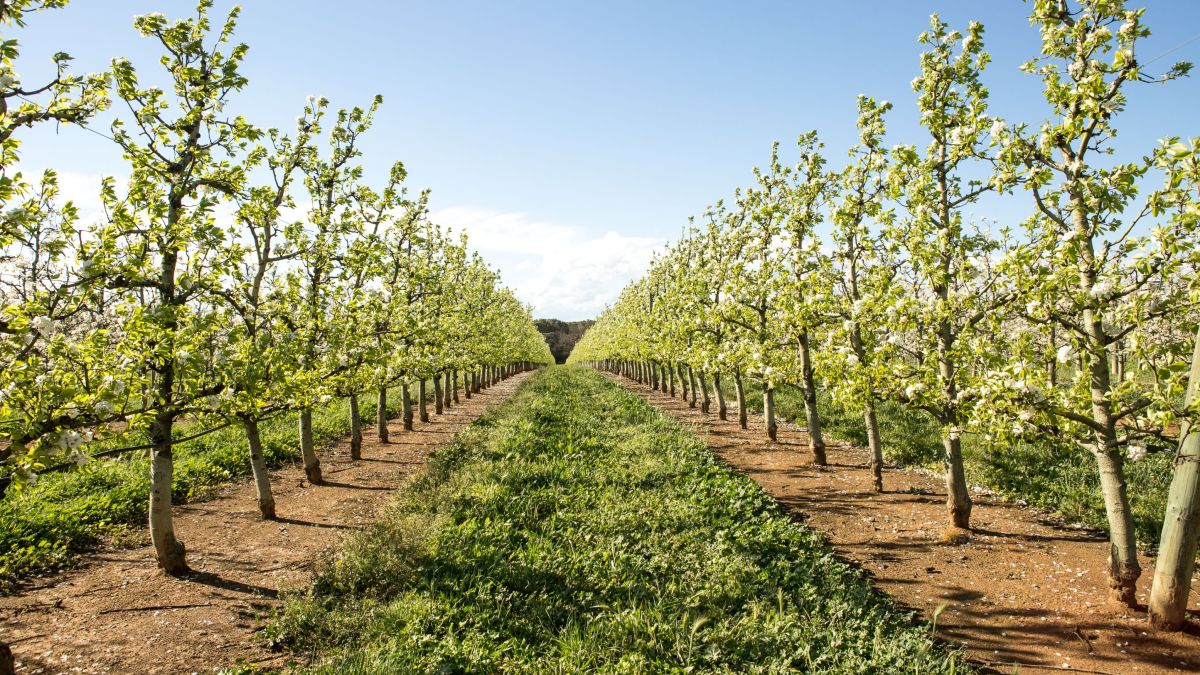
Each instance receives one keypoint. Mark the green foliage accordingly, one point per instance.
(577, 529)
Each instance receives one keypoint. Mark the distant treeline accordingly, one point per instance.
(562, 335)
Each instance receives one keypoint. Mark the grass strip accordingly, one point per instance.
(577, 529)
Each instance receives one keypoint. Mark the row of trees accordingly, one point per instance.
(239, 274)
(868, 280)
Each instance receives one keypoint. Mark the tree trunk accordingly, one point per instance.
(691, 387)
(816, 441)
(722, 407)
(740, 390)
(437, 394)
(446, 391)
(258, 467)
(1123, 567)
(312, 465)
(873, 445)
(705, 401)
(168, 551)
(958, 497)
(769, 412)
(454, 385)
(1181, 526)
(381, 415)
(422, 405)
(355, 429)
(671, 378)
(406, 403)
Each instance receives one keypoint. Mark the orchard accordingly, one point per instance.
(264, 328)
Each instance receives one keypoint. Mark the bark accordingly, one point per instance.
(873, 445)
(722, 406)
(739, 388)
(258, 467)
(168, 551)
(312, 465)
(958, 497)
(447, 393)
(422, 404)
(381, 415)
(355, 429)
(769, 412)
(705, 401)
(454, 385)
(816, 440)
(1181, 526)
(671, 378)
(1123, 567)
(691, 387)
(406, 403)
(437, 394)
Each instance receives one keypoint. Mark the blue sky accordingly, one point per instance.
(571, 139)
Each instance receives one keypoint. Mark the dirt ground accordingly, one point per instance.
(117, 614)
(1024, 590)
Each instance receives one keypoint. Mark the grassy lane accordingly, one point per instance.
(574, 528)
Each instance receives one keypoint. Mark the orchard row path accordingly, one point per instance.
(1024, 590)
(117, 614)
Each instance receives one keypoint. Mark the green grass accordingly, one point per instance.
(47, 525)
(1058, 478)
(576, 529)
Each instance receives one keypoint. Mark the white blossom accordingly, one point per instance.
(1101, 289)
(43, 325)
(1137, 451)
(70, 440)
(1065, 353)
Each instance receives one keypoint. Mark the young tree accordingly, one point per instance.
(1072, 272)
(259, 347)
(861, 280)
(161, 249)
(803, 292)
(318, 276)
(946, 319)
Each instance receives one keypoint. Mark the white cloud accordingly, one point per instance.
(565, 272)
(84, 191)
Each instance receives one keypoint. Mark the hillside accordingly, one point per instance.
(562, 335)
